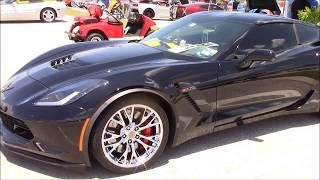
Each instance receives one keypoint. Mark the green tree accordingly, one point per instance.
(310, 15)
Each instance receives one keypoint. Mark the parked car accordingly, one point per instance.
(99, 27)
(155, 9)
(179, 11)
(262, 11)
(17, 10)
(269, 7)
(194, 1)
(121, 104)
(176, 3)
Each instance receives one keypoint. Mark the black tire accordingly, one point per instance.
(48, 15)
(95, 137)
(149, 13)
(95, 37)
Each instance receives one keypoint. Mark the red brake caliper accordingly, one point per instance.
(146, 132)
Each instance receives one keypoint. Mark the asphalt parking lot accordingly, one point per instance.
(278, 148)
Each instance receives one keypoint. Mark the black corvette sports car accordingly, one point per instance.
(122, 103)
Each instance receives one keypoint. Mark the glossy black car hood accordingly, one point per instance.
(94, 61)
(116, 53)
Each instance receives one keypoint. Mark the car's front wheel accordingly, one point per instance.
(48, 15)
(95, 37)
(149, 13)
(130, 135)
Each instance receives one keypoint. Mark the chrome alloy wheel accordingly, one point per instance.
(48, 15)
(132, 136)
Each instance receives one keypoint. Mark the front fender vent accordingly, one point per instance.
(61, 61)
(192, 102)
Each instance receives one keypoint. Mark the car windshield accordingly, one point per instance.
(196, 37)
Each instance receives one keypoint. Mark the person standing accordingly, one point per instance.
(297, 6)
(127, 7)
(287, 11)
(235, 4)
(114, 5)
(224, 4)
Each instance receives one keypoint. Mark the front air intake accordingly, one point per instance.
(16, 126)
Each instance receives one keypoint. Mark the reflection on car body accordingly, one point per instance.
(155, 9)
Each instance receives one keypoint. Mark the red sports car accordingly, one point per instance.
(179, 11)
(98, 28)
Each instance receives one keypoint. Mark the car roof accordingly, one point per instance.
(249, 18)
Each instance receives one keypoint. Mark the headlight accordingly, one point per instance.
(76, 29)
(70, 93)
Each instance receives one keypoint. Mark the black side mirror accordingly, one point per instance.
(258, 55)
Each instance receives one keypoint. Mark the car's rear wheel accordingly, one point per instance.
(95, 37)
(48, 15)
(130, 135)
(149, 13)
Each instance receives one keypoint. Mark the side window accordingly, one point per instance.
(307, 33)
(204, 7)
(277, 37)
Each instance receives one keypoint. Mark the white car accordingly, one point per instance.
(47, 11)
(155, 10)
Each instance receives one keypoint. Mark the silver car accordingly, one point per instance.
(47, 11)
